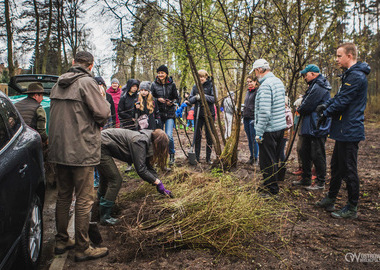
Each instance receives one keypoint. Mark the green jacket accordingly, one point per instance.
(131, 146)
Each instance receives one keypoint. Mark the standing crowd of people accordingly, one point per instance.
(90, 125)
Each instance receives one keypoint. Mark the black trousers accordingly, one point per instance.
(269, 157)
(344, 165)
(198, 138)
(313, 152)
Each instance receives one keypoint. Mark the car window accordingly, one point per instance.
(4, 137)
(10, 116)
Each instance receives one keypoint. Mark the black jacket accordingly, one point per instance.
(113, 112)
(165, 91)
(249, 104)
(126, 109)
(210, 98)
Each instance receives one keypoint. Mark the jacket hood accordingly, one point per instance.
(169, 80)
(322, 82)
(360, 66)
(130, 83)
(112, 91)
(72, 75)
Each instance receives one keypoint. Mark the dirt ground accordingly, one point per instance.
(313, 241)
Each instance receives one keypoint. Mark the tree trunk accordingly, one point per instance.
(8, 22)
(47, 39)
(37, 39)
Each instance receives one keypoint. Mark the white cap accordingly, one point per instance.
(260, 63)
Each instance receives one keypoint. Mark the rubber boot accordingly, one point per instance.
(105, 208)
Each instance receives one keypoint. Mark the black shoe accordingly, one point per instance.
(209, 162)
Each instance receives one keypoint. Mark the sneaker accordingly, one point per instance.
(349, 211)
(62, 247)
(316, 186)
(129, 168)
(302, 182)
(91, 254)
(326, 203)
(297, 172)
(209, 162)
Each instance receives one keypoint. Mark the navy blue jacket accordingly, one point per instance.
(317, 93)
(348, 105)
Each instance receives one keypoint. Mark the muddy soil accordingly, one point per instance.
(313, 240)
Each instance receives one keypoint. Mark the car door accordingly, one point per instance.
(14, 178)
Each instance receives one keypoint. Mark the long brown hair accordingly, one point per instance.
(160, 148)
(149, 102)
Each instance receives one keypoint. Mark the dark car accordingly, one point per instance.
(19, 84)
(22, 190)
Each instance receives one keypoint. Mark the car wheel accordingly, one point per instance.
(31, 238)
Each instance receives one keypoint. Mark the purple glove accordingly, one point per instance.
(160, 188)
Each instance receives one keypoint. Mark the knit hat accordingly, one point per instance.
(260, 63)
(163, 68)
(35, 88)
(100, 80)
(145, 85)
(115, 81)
(311, 68)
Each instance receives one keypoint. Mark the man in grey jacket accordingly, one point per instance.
(77, 112)
(270, 124)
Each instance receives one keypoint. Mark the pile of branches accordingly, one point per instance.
(210, 210)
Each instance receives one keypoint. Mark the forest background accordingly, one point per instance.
(223, 37)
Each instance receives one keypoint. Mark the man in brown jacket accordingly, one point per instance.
(77, 112)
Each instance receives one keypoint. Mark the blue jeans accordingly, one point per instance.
(251, 134)
(169, 125)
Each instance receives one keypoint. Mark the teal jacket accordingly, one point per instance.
(270, 105)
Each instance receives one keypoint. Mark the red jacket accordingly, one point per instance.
(116, 98)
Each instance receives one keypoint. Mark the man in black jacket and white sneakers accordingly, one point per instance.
(347, 129)
(313, 137)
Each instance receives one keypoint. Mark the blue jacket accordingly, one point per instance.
(317, 93)
(270, 105)
(348, 105)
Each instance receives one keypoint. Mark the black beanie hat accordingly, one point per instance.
(163, 68)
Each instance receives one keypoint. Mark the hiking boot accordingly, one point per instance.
(298, 172)
(302, 182)
(349, 211)
(316, 186)
(171, 160)
(326, 203)
(91, 254)
(62, 247)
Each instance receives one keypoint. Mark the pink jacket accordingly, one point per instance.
(116, 98)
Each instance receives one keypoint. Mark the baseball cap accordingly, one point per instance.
(260, 63)
(311, 68)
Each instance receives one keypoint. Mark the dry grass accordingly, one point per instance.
(210, 211)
